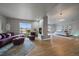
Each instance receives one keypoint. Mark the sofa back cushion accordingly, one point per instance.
(4, 35)
(10, 33)
(1, 36)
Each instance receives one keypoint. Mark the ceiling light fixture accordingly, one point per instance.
(61, 16)
(61, 20)
(61, 13)
(60, 10)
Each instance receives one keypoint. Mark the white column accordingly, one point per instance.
(45, 26)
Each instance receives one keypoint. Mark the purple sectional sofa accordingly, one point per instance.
(6, 38)
(9, 37)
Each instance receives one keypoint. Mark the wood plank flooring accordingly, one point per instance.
(57, 46)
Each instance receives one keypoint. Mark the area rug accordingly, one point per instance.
(5, 48)
(20, 50)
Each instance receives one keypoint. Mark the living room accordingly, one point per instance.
(39, 29)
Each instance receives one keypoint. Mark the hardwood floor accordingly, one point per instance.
(57, 46)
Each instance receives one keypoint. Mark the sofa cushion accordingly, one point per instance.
(4, 34)
(1, 36)
(12, 34)
(8, 34)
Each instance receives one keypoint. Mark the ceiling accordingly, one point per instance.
(32, 11)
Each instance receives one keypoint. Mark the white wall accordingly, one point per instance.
(2, 24)
(14, 26)
(52, 28)
(74, 25)
(37, 25)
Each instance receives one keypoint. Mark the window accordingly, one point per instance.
(24, 27)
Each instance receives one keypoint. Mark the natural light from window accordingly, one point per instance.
(24, 27)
